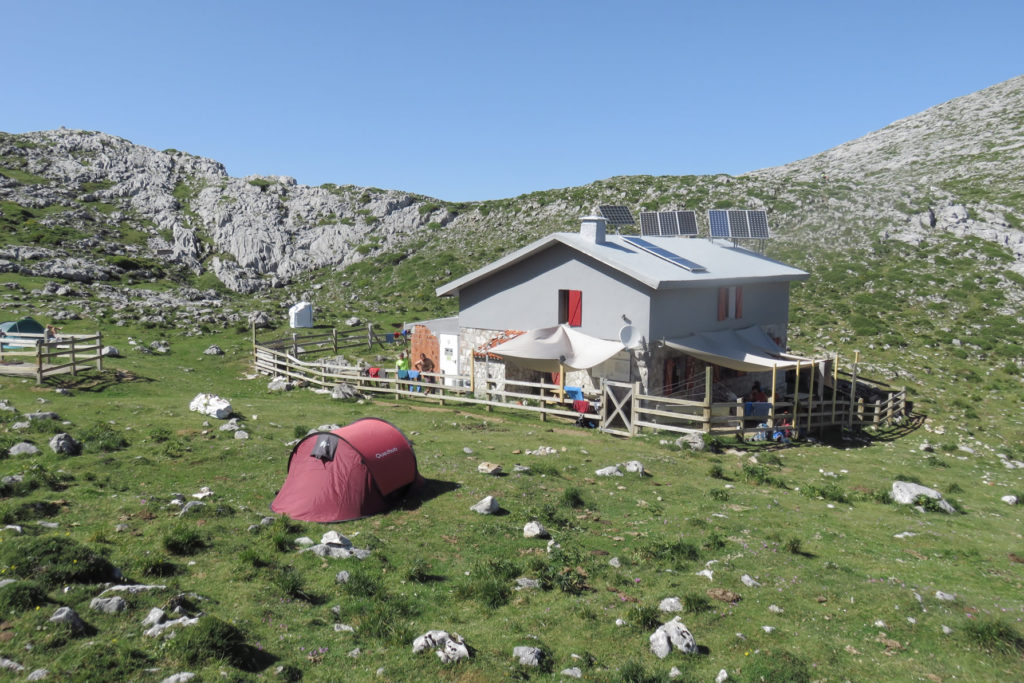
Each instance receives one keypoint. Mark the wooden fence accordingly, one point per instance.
(34, 354)
(618, 407)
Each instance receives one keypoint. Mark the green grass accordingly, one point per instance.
(822, 549)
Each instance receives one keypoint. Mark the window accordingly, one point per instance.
(730, 303)
(570, 307)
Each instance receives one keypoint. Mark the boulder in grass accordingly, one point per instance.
(10, 665)
(279, 384)
(634, 466)
(64, 444)
(535, 530)
(527, 655)
(488, 468)
(906, 493)
(429, 641)
(66, 615)
(111, 605)
(610, 471)
(23, 448)
(454, 650)
(487, 506)
(213, 350)
(670, 605)
(211, 405)
(672, 635)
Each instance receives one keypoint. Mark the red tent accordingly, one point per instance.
(362, 469)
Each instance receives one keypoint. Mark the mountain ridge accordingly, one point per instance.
(947, 169)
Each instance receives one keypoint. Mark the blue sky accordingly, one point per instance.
(489, 99)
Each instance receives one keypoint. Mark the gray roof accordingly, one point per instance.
(724, 262)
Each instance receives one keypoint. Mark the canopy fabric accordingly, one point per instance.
(547, 348)
(747, 350)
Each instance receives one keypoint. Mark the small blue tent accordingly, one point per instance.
(11, 332)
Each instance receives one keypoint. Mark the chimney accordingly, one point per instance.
(592, 229)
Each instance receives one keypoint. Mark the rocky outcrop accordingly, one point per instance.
(252, 232)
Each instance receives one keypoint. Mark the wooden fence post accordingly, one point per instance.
(74, 367)
(810, 399)
(835, 386)
(707, 399)
(99, 354)
(853, 385)
(253, 323)
(334, 339)
(771, 413)
(634, 400)
(39, 361)
(796, 398)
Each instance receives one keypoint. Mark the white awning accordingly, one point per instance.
(547, 348)
(747, 350)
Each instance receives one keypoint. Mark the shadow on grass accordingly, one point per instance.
(427, 491)
(253, 660)
(94, 381)
(862, 438)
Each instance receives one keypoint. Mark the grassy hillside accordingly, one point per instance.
(811, 524)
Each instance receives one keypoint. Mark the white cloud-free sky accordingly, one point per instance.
(472, 100)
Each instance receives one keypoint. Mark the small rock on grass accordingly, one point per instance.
(535, 530)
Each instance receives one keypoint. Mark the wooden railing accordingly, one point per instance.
(51, 356)
(627, 412)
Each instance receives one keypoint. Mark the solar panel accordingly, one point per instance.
(719, 222)
(687, 222)
(758, 224)
(738, 227)
(676, 259)
(616, 215)
(668, 224)
(649, 223)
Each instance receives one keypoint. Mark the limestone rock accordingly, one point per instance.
(488, 468)
(343, 392)
(487, 506)
(429, 641)
(528, 655)
(23, 448)
(453, 650)
(64, 444)
(111, 605)
(279, 384)
(672, 634)
(905, 493)
(213, 350)
(211, 405)
(670, 605)
(535, 530)
(66, 615)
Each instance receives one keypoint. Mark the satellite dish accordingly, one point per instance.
(630, 336)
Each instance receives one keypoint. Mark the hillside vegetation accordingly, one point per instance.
(912, 238)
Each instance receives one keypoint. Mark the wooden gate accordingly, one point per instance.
(617, 408)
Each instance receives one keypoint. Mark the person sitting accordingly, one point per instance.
(757, 395)
(50, 334)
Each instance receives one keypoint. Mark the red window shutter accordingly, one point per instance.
(739, 302)
(723, 303)
(575, 308)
